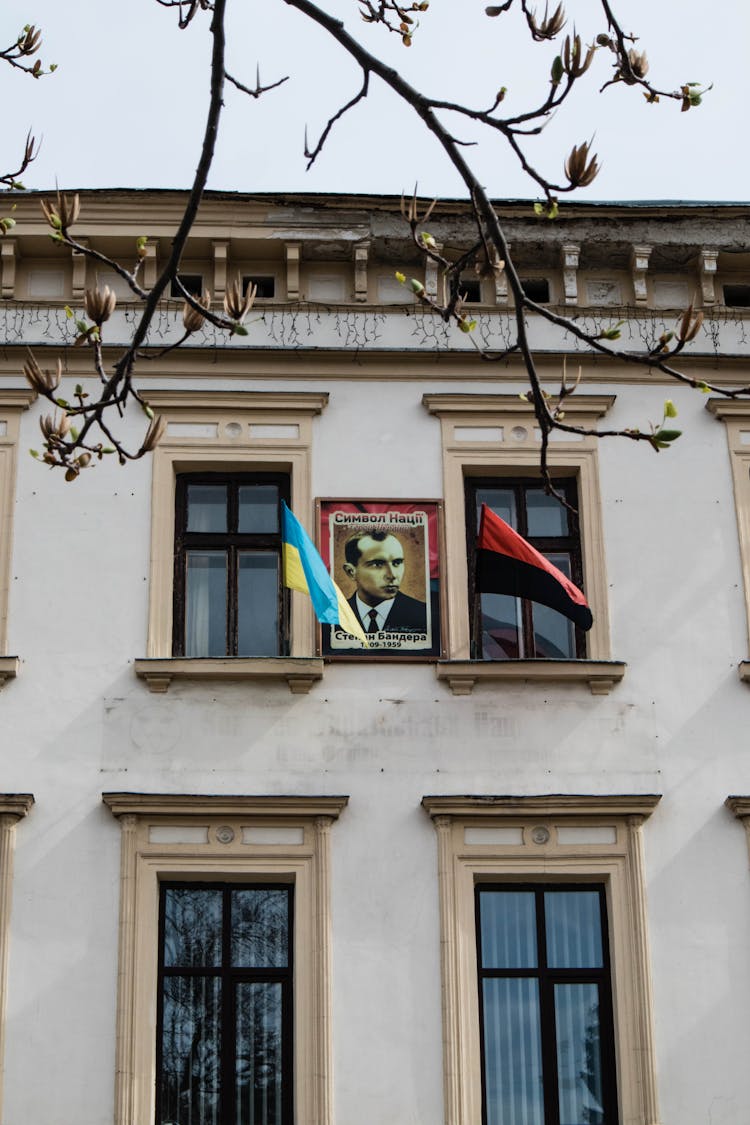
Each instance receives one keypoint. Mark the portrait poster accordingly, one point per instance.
(384, 555)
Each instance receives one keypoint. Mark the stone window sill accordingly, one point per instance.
(462, 675)
(9, 668)
(300, 672)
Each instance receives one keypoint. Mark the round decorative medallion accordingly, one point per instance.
(519, 433)
(233, 430)
(225, 834)
(540, 834)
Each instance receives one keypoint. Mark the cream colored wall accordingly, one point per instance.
(386, 735)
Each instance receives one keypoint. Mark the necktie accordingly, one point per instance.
(373, 625)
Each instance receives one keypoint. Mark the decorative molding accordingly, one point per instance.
(13, 807)
(570, 254)
(501, 284)
(639, 259)
(432, 276)
(150, 263)
(361, 254)
(463, 675)
(8, 257)
(13, 402)
(735, 414)
(299, 672)
(708, 264)
(293, 253)
(146, 857)
(588, 406)
(10, 666)
(743, 669)
(299, 402)
(544, 856)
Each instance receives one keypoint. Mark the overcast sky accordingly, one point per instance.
(127, 105)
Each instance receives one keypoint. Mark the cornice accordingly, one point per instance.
(553, 804)
(16, 398)
(728, 408)
(198, 804)
(16, 804)
(297, 402)
(594, 406)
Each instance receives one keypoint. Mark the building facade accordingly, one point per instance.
(489, 869)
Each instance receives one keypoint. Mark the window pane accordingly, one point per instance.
(207, 507)
(579, 1065)
(502, 501)
(189, 1083)
(545, 515)
(206, 604)
(192, 927)
(260, 928)
(501, 627)
(259, 508)
(514, 1094)
(508, 929)
(554, 634)
(258, 1074)
(258, 603)
(574, 929)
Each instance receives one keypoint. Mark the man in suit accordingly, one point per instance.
(375, 561)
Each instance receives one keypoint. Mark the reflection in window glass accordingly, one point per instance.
(513, 1052)
(546, 516)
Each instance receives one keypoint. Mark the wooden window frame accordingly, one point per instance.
(231, 542)
(570, 545)
(230, 975)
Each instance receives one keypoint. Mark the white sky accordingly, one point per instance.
(127, 105)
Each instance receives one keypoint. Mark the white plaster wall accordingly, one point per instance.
(77, 722)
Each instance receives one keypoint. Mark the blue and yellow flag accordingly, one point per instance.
(304, 570)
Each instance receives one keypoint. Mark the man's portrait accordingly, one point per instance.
(384, 556)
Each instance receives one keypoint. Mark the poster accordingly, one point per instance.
(385, 557)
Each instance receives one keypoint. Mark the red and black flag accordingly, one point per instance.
(507, 564)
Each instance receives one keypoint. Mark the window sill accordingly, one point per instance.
(9, 668)
(462, 675)
(300, 672)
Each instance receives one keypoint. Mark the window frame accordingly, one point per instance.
(12, 405)
(228, 431)
(229, 976)
(217, 839)
(548, 977)
(570, 544)
(231, 542)
(13, 807)
(544, 840)
(496, 435)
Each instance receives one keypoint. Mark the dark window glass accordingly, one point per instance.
(737, 295)
(265, 286)
(545, 1006)
(193, 282)
(508, 628)
(471, 287)
(536, 289)
(224, 1039)
(228, 598)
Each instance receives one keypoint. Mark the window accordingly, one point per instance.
(545, 1005)
(224, 985)
(536, 289)
(12, 403)
(228, 596)
(471, 288)
(495, 439)
(265, 286)
(544, 947)
(504, 627)
(232, 436)
(224, 1017)
(737, 295)
(13, 807)
(736, 415)
(193, 282)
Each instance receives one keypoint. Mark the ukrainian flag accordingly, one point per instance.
(304, 570)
